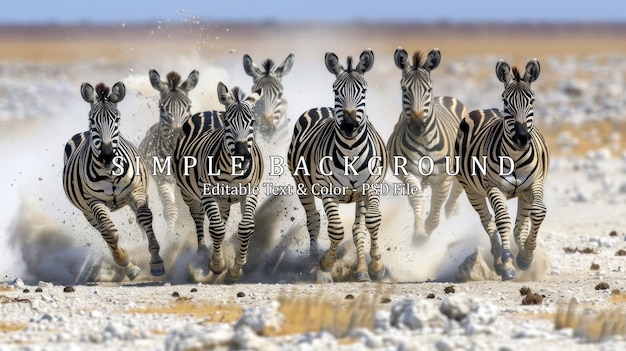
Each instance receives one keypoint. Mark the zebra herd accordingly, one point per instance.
(331, 147)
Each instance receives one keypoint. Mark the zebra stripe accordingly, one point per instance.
(427, 128)
(92, 159)
(271, 109)
(344, 133)
(161, 138)
(220, 136)
(506, 133)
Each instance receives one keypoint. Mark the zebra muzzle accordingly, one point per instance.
(241, 151)
(521, 137)
(106, 153)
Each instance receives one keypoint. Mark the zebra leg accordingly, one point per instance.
(335, 233)
(197, 213)
(373, 217)
(453, 199)
(417, 203)
(537, 215)
(503, 223)
(439, 193)
(245, 231)
(143, 214)
(167, 194)
(359, 233)
(100, 218)
(521, 229)
(312, 223)
(217, 230)
(225, 211)
(479, 203)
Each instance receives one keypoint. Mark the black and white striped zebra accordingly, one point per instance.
(426, 130)
(161, 138)
(271, 109)
(516, 167)
(99, 175)
(338, 148)
(224, 144)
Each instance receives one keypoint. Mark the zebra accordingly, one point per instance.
(328, 141)
(98, 175)
(226, 157)
(516, 158)
(427, 128)
(161, 138)
(271, 109)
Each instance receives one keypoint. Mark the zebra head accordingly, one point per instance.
(417, 86)
(268, 80)
(104, 119)
(518, 101)
(349, 88)
(238, 121)
(174, 104)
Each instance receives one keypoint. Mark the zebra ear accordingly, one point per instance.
(401, 58)
(366, 61)
(251, 69)
(332, 63)
(87, 92)
(433, 60)
(532, 71)
(117, 92)
(284, 67)
(223, 95)
(155, 80)
(503, 71)
(191, 81)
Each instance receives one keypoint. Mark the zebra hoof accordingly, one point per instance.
(377, 275)
(217, 268)
(362, 277)
(508, 274)
(523, 263)
(324, 277)
(232, 278)
(157, 269)
(133, 272)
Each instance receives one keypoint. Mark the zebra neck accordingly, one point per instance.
(346, 146)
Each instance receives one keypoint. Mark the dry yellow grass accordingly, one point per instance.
(591, 137)
(210, 312)
(596, 326)
(8, 327)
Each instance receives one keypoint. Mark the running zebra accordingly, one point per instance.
(516, 158)
(98, 175)
(271, 109)
(159, 142)
(426, 130)
(218, 163)
(337, 155)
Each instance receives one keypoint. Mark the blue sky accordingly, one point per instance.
(129, 11)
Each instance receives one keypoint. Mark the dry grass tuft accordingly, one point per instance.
(211, 313)
(323, 312)
(6, 327)
(593, 327)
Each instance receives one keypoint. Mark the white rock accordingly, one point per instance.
(19, 284)
(416, 314)
(260, 318)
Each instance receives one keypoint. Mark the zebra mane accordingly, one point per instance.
(102, 91)
(417, 59)
(267, 66)
(238, 95)
(349, 67)
(173, 78)
(516, 74)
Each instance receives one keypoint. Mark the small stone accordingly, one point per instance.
(68, 289)
(349, 297)
(194, 290)
(602, 286)
(241, 294)
(25, 291)
(524, 291)
(594, 267)
(430, 296)
(175, 294)
(613, 233)
(620, 252)
(39, 290)
(449, 289)
(385, 300)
